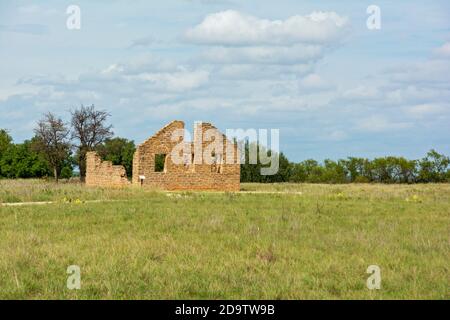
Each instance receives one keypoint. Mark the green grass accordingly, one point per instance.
(154, 245)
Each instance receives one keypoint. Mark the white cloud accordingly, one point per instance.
(248, 47)
(141, 64)
(144, 41)
(32, 29)
(430, 72)
(361, 92)
(336, 135)
(36, 10)
(424, 83)
(426, 109)
(314, 82)
(412, 97)
(177, 81)
(134, 78)
(443, 51)
(378, 123)
(264, 54)
(258, 72)
(235, 28)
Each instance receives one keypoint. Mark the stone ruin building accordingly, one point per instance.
(153, 165)
(104, 173)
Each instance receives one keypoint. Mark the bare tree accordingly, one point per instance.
(89, 129)
(52, 140)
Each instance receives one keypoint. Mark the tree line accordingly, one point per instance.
(58, 147)
(433, 168)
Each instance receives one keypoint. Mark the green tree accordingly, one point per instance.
(251, 172)
(66, 172)
(334, 172)
(21, 161)
(5, 143)
(405, 170)
(357, 169)
(284, 170)
(380, 170)
(314, 171)
(298, 173)
(433, 168)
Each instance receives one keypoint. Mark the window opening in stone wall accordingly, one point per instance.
(216, 166)
(160, 160)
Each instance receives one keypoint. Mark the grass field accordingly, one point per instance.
(283, 241)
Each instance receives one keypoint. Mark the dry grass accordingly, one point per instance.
(154, 245)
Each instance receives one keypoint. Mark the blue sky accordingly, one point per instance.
(309, 68)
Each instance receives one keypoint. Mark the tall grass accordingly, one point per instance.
(155, 245)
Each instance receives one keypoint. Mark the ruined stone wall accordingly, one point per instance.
(216, 175)
(202, 166)
(103, 173)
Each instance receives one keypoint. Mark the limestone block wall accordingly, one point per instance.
(221, 172)
(221, 175)
(103, 173)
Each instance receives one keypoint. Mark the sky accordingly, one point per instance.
(312, 69)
